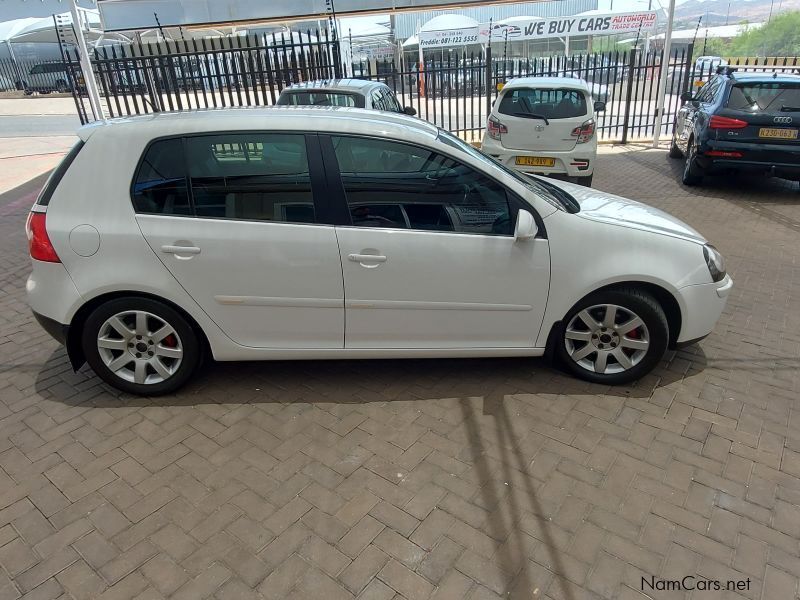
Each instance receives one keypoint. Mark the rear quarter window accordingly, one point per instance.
(552, 103)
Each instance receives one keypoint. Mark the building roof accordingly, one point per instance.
(450, 21)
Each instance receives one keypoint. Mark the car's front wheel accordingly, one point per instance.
(140, 346)
(613, 337)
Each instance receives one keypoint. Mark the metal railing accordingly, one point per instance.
(455, 92)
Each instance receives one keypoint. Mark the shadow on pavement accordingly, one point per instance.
(361, 381)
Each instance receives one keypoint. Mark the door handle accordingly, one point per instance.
(180, 249)
(367, 258)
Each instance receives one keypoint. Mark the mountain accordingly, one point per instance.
(715, 12)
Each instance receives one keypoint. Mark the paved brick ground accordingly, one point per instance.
(448, 479)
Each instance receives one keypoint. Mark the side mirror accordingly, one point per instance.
(687, 96)
(599, 106)
(410, 111)
(526, 228)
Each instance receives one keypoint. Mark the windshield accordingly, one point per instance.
(549, 103)
(773, 96)
(550, 194)
(321, 98)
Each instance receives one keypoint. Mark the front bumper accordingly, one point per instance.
(578, 162)
(704, 304)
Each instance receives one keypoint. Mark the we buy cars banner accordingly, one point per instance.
(534, 29)
(608, 24)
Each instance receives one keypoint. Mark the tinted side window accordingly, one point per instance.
(254, 176)
(388, 184)
(160, 184)
(377, 101)
(390, 101)
(709, 90)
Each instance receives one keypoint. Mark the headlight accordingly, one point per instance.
(715, 262)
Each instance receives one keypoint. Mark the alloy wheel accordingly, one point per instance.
(606, 339)
(139, 347)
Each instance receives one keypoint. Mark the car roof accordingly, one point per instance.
(546, 82)
(765, 77)
(325, 119)
(348, 85)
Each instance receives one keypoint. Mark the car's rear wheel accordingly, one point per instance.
(692, 173)
(613, 337)
(140, 346)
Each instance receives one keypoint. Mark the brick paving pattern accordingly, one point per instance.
(421, 479)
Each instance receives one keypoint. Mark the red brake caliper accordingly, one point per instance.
(170, 341)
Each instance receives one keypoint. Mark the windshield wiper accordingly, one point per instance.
(528, 115)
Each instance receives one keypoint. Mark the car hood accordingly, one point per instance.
(607, 208)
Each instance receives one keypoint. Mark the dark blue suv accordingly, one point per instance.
(740, 122)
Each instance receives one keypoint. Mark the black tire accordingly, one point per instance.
(186, 335)
(636, 302)
(692, 173)
(674, 151)
(585, 181)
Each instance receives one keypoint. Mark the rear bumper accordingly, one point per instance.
(58, 331)
(770, 159)
(578, 162)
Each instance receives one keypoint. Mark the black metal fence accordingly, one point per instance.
(457, 93)
(246, 70)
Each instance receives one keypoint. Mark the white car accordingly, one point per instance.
(544, 125)
(300, 233)
(358, 93)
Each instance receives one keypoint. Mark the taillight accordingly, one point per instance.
(495, 129)
(39, 243)
(584, 132)
(718, 122)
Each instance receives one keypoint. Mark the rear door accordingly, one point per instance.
(239, 221)
(771, 110)
(542, 119)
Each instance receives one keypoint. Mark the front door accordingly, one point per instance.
(429, 259)
(241, 233)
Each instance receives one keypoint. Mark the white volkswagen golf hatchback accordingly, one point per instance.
(302, 233)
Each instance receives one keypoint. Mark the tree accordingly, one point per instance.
(779, 37)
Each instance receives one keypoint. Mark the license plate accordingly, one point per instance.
(536, 161)
(781, 134)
